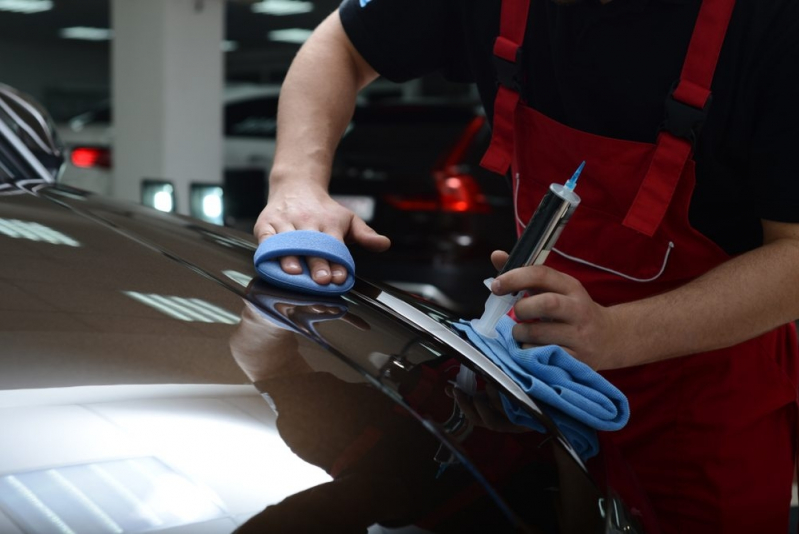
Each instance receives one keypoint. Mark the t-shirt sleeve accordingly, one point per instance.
(775, 145)
(405, 39)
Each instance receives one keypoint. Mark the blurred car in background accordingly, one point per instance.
(412, 171)
(409, 169)
(250, 124)
(149, 382)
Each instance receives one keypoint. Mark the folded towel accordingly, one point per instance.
(577, 398)
(303, 243)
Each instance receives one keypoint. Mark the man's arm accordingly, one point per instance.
(740, 299)
(316, 103)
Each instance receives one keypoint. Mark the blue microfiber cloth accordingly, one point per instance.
(577, 398)
(303, 243)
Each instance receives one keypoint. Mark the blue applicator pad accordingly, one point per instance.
(303, 243)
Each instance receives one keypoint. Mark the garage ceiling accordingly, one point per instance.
(248, 29)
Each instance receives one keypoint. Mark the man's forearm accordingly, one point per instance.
(742, 298)
(316, 103)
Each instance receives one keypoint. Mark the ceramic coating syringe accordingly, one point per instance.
(532, 248)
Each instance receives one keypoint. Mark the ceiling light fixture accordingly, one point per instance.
(282, 7)
(291, 35)
(85, 33)
(26, 6)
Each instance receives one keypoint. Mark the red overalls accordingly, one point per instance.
(711, 436)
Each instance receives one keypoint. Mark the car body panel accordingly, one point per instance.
(86, 343)
(149, 381)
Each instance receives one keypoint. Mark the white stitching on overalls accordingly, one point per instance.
(584, 262)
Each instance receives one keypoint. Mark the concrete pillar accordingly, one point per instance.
(167, 82)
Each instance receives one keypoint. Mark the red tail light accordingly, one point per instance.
(89, 157)
(457, 192)
(412, 203)
(460, 193)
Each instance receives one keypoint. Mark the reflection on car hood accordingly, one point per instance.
(149, 382)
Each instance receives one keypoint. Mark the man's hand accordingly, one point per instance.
(740, 299)
(313, 209)
(311, 119)
(562, 313)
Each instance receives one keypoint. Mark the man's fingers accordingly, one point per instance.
(291, 264)
(550, 306)
(338, 273)
(263, 232)
(364, 235)
(540, 333)
(537, 278)
(498, 259)
(320, 270)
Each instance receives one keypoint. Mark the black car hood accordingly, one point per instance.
(142, 361)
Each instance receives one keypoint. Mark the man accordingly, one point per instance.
(678, 276)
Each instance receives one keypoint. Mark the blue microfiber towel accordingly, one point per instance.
(303, 243)
(577, 398)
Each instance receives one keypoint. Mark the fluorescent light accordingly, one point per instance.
(158, 194)
(291, 35)
(183, 309)
(229, 46)
(206, 203)
(162, 201)
(34, 232)
(26, 6)
(127, 495)
(282, 7)
(86, 33)
(212, 204)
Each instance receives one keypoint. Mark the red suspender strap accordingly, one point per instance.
(685, 110)
(507, 48)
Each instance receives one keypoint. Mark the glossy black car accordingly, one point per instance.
(149, 382)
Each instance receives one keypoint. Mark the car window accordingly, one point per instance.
(99, 116)
(252, 118)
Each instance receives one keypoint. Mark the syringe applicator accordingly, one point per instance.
(496, 307)
(532, 248)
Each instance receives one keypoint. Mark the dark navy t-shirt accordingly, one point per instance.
(606, 69)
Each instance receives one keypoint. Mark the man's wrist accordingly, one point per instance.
(630, 345)
(305, 178)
